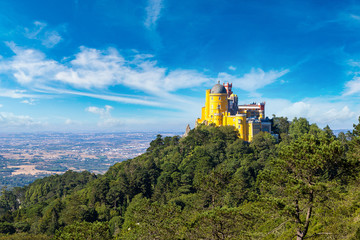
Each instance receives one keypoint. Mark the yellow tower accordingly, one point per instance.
(217, 104)
(222, 109)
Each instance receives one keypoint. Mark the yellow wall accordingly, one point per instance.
(216, 111)
(241, 126)
(218, 99)
(203, 113)
(207, 104)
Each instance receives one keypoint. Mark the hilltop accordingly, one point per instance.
(208, 185)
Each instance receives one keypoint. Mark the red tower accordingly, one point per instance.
(228, 88)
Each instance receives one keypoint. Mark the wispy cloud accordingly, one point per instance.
(30, 101)
(106, 120)
(29, 65)
(93, 72)
(11, 120)
(153, 11)
(232, 68)
(13, 93)
(40, 31)
(103, 112)
(35, 30)
(353, 86)
(98, 69)
(354, 16)
(256, 79)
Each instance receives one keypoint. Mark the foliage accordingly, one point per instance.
(208, 185)
(83, 231)
(302, 177)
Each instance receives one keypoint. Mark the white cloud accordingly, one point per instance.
(51, 38)
(103, 112)
(109, 96)
(256, 79)
(48, 38)
(30, 101)
(11, 120)
(106, 120)
(92, 68)
(1, 105)
(91, 73)
(352, 87)
(14, 93)
(68, 122)
(232, 68)
(153, 10)
(179, 79)
(323, 111)
(29, 65)
(35, 31)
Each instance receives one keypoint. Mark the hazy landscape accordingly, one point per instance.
(28, 156)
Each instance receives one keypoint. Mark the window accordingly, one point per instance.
(219, 98)
(212, 98)
(233, 119)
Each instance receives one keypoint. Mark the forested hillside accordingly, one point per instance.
(208, 185)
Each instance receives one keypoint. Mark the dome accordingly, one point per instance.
(218, 88)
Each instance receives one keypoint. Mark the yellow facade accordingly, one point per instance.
(216, 111)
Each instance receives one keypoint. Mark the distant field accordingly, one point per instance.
(26, 157)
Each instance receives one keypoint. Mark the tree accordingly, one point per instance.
(146, 220)
(280, 125)
(220, 223)
(300, 179)
(354, 143)
(213, 186)
(6, 227)
(298, 127)
(158, 142)
(328, 131)
(84, 230)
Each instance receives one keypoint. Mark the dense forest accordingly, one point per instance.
(208, 185)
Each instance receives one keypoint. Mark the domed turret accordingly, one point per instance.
(218, 88)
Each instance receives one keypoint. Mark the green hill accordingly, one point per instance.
(209, 185)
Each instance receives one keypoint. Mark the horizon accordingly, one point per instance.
(124, 66)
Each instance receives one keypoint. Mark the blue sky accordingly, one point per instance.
(122, 65)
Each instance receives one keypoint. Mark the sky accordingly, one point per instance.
(124, 65)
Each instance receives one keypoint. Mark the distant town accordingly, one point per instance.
(25, 157)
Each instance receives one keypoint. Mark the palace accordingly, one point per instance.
(222, 109)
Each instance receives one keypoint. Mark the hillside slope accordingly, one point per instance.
(209, 185)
